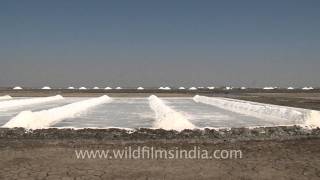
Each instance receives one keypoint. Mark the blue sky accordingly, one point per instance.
(157, 43)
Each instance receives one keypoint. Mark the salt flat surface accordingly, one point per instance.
(121, 112)
(137, 113)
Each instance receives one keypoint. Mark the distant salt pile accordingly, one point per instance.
(70, 87)
(296, 116)
(5, 97)
(96, 88)
(200, 87)
(290, 88)
(140, 88)
(166, 88)
(118, 88)
(211, 87)
(17, 88)
(243, 88)
(46, 88)
(161, 88)
(108, 88)
(182, 88)
(193, 88)
(45, 118)
(307, 88)
(268, 88)
(228, 88)
(167, 118)
(82, 88)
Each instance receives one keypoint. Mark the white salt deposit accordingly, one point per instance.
(46, 88)
(96, 87)
(268, 88)
(166, 88)
(23, 102)
(193, 88)
(297, 116)
(161, 87)
(307, 88)
(118, 87)
(108, 88)
(182, 88)
(17, 88)
(228, 88)
(167, 118)
(140, 88)
(243, 88)
(82, 88)
(290, 88)
(70, 87)
(5, 97)
(45, 118)
(211, 87)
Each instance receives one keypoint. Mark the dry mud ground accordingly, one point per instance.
(268, 153)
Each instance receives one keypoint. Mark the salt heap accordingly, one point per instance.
(290, 88)
(17, 88)
(96, 87)
(243, 88)
(193, 88)
(228, 88)
(307, 88)
(182, 88)
(140, 88)
(118, 87)
(211, 87)
(166, 88)
(268, 88)
(108, 88)
(46, 87)
(70, 87)
(82, 88)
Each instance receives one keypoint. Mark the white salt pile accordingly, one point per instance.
(46, 88)
(17, 88)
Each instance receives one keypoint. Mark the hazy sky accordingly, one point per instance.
(157, 43)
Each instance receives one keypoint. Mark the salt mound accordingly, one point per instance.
(211, 87)
(5, 97)
(167, 118)
(108, 88)
(82, 88)
(161, 87)
(46, 88)
(118, 87)
(23, 102)
(96, 87)
(243, 88)
(17, 88)
(46, 118)
(166, 88)
(71, 87)
(140, 88)
(307, 88)
(228, 88)
(182, 88)
(290, 88)
(268, 88)
(193, 88)
(297, 116)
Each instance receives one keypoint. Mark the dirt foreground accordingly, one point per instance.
(267, 153)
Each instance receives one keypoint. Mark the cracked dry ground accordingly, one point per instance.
(55, 159)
